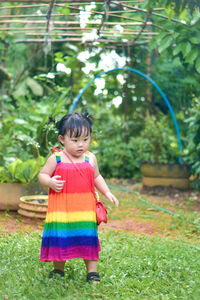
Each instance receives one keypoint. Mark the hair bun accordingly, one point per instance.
(52, 120)
(86, 115)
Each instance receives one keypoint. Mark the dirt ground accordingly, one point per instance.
(11, 222)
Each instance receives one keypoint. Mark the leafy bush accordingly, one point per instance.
(19, 171)
(25, 130)
(117, 158)
(161, 143)
(192, 153)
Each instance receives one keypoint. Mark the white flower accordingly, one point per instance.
(61, 68)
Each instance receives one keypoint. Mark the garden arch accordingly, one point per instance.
(150, 80)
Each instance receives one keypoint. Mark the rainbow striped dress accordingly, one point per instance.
(70, 229)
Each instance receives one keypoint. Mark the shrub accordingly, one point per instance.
(117, 158)
(192, 153)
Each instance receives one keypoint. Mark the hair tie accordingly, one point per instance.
(87, 116)
(52, 120)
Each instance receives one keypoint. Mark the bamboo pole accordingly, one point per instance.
(47, 1)
(37, 16)
(74, 34)
(156, 8)
(75, 40)
(73, 1)
(141, 30)
(58, 1)
(75, 22)
(48, 16)
(43, 28)
(24, 6)
(75, 4)
(75, 28)
(60, 15)
(82, 33)
(109, 13)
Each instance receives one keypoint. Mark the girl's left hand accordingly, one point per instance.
(112, 198)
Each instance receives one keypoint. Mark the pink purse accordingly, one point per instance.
(101, 211)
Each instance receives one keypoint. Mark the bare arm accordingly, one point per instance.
(101, 185)
(45, 175)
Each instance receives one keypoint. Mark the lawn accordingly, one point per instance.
(146, 253)
(131, 267)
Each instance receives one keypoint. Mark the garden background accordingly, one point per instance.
(132, 124)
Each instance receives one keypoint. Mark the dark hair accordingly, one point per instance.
(75, 124)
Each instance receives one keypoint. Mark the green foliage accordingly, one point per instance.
(122, 158)
(181, 40)
(162, 144)
(131, 267)
(119, 159)
(4, 75)
(25, 130)
(38, 91)
(175, 7)
(32, 84)
(192, 153)
(21, 171)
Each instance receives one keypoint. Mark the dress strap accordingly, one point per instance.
(87, 156)
(57, 154)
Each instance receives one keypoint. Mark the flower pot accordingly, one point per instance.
(10, 193)
(160, 174)
(34, 206)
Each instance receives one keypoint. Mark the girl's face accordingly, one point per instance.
(76, 146)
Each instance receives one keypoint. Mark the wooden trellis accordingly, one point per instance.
(110, 22)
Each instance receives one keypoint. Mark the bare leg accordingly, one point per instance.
(59, 265)
(91, 266)
(58, 269)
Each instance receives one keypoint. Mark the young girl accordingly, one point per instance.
(71, 228)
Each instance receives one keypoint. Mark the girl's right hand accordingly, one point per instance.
(55, 184)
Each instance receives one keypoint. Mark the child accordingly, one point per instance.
(70, 228)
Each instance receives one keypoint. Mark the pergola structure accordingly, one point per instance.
(110, 21)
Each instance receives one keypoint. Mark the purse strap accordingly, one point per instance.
(80, 172)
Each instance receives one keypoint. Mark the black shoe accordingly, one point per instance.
(51, 274)
(93, 277)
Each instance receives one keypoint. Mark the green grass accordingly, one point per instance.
(185, 226)
(131, 267)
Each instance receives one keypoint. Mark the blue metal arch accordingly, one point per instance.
(149, 79)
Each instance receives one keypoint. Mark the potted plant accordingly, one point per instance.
(17, 179)
(161, 150)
